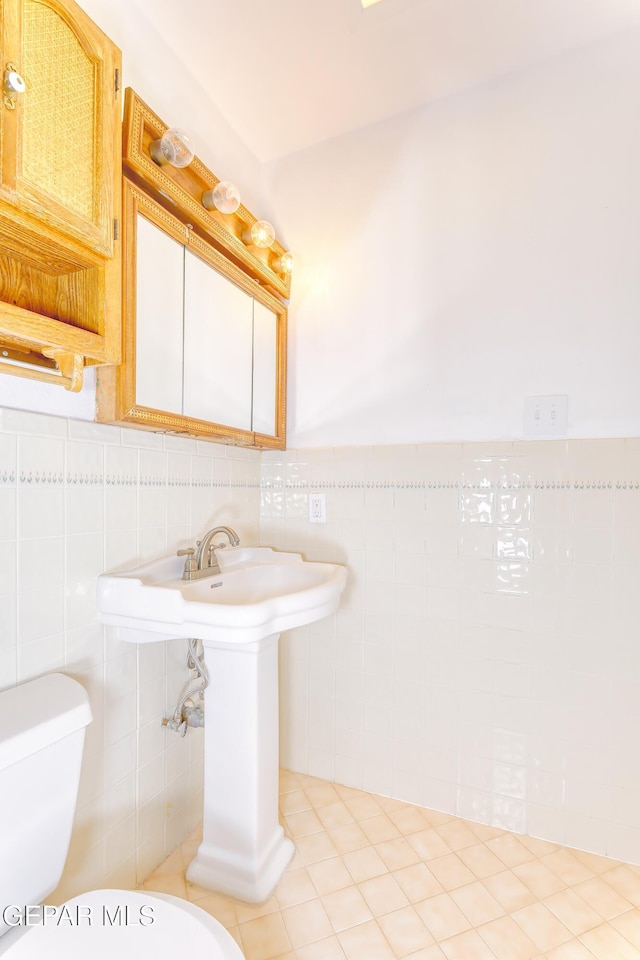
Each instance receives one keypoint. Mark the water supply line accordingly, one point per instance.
(188, 713)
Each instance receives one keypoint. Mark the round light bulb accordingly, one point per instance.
(174, 148)
(284, 263)
(225, 197)
(262, 234)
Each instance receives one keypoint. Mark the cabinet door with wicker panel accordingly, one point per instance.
(58, 135)
(60, 193)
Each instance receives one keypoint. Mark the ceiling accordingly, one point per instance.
(288, 74)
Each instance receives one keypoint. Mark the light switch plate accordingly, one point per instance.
(546, 416)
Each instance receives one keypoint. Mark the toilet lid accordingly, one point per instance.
(127, 924)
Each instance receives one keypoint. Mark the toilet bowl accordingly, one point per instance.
(42, 726)
(104, 924)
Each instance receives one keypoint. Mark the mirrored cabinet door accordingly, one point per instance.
(218, 352)
(265, 368)
(159, 299)
(204, 346)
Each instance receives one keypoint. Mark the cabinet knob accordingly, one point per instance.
(14, 86)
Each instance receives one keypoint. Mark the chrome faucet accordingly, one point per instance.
(202, 562)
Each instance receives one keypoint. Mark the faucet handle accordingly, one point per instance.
(190, 564)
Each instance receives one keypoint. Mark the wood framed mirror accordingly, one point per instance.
(204, 345)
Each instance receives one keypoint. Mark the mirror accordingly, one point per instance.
(205, 344)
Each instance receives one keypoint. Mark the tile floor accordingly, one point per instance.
(377, 879)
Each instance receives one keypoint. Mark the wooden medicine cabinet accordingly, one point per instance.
(204, 345)
(60, 167)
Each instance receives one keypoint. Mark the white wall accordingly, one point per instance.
(456, 259)
(165, 83)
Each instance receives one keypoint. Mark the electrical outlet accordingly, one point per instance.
(546, 416)
(317, 508)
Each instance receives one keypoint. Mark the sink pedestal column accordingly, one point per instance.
(243, 851)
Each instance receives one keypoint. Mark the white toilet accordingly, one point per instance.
(42, 726)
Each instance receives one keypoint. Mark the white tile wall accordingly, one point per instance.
(486, 657)
(76, 499)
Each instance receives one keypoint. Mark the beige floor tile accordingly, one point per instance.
(335, 815)
(457, 835)
(539, 848)
(363, 807)
(388, 803)
(541, 881)
(450, 871)
(405, 931)
(173, 865)
(574, 950)
(541, 926)
(628, 924)
(467, 946)
(366, 942)
(477, 904)
(625, 881)
(316, 847)
(428, 844)
(322, 794)
(436, 817)
(290, 781)
(364, 864)
(251, 911)
(171, 883)
(602, 898)
(427, 953)
(595, 863)
(329, 949)
(196, 892)
(563, 863)
(235, 933)
(481, 861)
(346, 908)
(265, 937)
(306, 923)
(606, 943)
(484, 832)
(348, 838)
(220, 907)
(442, 917)
(379, 829)
(303, 824)
(509, 849)
(509, 891)
(383, 894)
(418, 883)
(295, 887)
(571, 910)
(397, 853)
(329, 875)
(349, 793)
(408, 819)
(507, 940)
(295, 802)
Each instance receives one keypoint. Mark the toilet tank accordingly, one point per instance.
(42, 726)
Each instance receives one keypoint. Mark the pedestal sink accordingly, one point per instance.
(238, 614)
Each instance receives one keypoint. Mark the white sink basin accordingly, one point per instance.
(259, 592)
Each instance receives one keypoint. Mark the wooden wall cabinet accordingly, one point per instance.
(60, 193)
(204, 344)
